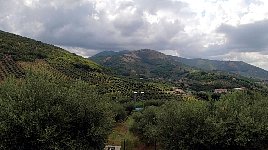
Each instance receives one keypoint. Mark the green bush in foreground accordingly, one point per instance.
(40, 113)
(236, 121)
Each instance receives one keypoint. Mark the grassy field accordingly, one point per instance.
(121, 133)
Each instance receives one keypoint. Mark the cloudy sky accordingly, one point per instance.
(214, 29)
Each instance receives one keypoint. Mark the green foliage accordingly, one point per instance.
(182, 125)
(120, 112)
(202, 95)
(242, 121)
(215, 96)
(153, 103)
(145, 125)
(40, 113)
(237, 121)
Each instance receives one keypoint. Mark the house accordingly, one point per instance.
(220, 91)
(179, 91)
(240, 89)
(111, 147)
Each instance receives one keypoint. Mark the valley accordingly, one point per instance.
(53, 99)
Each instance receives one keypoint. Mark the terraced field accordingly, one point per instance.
(8, 67)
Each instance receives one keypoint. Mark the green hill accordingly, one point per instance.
(20, 55)
(15, 49)
(157, 66)
(147, 63)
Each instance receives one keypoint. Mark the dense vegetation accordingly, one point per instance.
(43, 113)
(237, 121)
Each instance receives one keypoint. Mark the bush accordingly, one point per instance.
(182, 125)
(202, 96)
(153, 103)
(120, 113)
(40, 113)
(240, 121)
(236, 121)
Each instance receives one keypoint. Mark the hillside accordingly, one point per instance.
(15, 49)
(157, 66)
(147, 63)
(20, 55)
(237, 67)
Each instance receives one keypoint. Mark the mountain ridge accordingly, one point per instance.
(156, 66)
(236, 67)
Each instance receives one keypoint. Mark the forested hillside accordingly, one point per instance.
(157, 66)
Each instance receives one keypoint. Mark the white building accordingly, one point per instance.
(111, 147)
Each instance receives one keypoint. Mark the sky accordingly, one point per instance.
(212, 29)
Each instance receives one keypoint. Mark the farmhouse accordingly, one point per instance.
(220, 91)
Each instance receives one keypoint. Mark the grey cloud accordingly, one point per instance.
(251, 37)
(71, 23)
(248, 38)
(128, 24)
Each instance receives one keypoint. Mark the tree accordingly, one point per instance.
(40, 113)
(145, 125)
(237, 120)
(182, 125)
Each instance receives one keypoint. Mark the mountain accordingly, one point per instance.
(147, 63)
(20, 56)
(237, 67)
(156, 66)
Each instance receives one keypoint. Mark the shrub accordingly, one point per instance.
(240, 121)
(182, 125)
(40, 113)
(145, 125)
